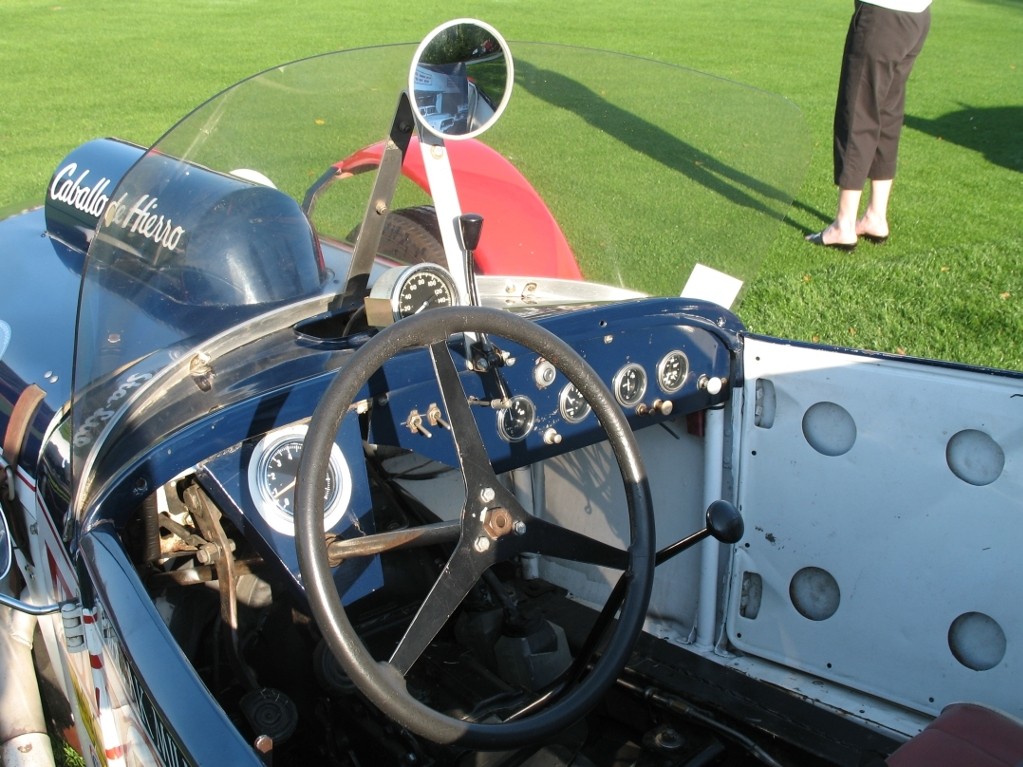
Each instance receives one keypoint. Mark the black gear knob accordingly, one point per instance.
(725, 522)
(471, 225)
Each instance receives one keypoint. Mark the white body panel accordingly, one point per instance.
(888, 517)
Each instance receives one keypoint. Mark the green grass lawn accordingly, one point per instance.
(947, 284)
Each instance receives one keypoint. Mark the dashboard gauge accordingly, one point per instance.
(573, 404)
(516, 421)
(672, 371)
(273, 473)
(403, 291)
(629, 384)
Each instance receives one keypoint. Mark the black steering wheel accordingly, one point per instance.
(493, 527)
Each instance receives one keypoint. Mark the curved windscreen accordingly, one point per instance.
(648, 169)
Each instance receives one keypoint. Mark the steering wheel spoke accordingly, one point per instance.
(458, 577)
(477, 471)
(549, 539)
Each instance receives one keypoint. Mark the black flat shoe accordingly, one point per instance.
(817, 238)
(874, 238)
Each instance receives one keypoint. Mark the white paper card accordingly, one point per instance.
(712, 285)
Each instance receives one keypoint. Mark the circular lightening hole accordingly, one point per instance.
(814, 593)
(829, 429)
(977, 641)
(975, 457)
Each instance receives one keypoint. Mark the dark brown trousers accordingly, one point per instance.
(880, 50)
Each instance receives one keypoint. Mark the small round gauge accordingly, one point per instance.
(517, 420)
(629, 384)
(273, 473)
(573, 404)
(408, 290)
(672, 371)
(280, 473)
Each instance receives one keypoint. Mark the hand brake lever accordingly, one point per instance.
(485, 356)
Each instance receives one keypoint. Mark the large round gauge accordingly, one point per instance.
(672, 371)
(409, 290)
(573, 405)
(517, 420)
(273, 471)
(629, 384)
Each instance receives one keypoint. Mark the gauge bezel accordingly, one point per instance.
(269, 509)
(530, 423)
(391, 284)
(616, 383)
(662, 366)
(562, 405)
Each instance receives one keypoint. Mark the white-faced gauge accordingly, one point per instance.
(404, 291)
(273, 475)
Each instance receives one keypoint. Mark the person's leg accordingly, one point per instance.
(874, 222)
(905, 34)
(912, 30)
(855, 130)
(842, 231)
(855, 126)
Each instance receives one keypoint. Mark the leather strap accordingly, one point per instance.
(17, 427)
(14, 439)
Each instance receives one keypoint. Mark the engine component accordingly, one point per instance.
(532, 651)
(271, 713)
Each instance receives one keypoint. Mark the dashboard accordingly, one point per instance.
(655, 365)
(661, 359)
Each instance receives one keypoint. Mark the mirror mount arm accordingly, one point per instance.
(368, 242)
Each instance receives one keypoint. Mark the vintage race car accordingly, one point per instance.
(375, 417)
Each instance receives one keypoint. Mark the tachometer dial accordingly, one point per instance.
(273, 471)
(629, 384)
(672, 371)
(280, 473)
(573, 405)
(516, 421)
(407, 290)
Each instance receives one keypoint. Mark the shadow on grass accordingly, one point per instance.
(992, 131)
(809, 210)
(663, 147)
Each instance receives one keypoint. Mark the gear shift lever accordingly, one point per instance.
(471, 227)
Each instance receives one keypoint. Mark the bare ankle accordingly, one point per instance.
(869, 224)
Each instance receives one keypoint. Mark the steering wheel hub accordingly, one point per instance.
(497, 522)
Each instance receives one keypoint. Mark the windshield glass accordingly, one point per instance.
(648, 169)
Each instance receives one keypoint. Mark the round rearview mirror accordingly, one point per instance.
(461, 78)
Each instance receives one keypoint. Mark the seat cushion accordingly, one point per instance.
(965, 735)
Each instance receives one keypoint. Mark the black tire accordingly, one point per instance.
(411, 236)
